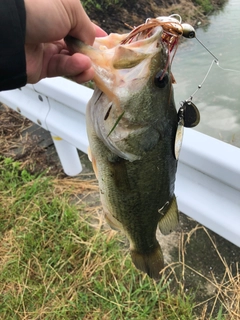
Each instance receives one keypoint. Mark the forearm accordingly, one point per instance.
(12, 39)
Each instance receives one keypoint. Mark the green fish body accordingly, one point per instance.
(131, 125)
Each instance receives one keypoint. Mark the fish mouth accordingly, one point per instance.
(138, 39)
(144, 41)
(137, 47)
(121, 61)
(155, 36)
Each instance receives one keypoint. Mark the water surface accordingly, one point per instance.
(219, 98)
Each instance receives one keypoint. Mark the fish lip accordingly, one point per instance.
(154, 34)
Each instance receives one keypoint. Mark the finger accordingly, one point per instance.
(84, 28)
(71, 66)
(84, 76)
(99, 32)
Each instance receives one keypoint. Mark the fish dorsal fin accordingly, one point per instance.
(170, 218)
(112, 221)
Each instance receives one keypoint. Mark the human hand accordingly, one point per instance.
(47, 23)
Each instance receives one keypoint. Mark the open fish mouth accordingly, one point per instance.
(115, 52)
(116, 56)
(171, 31)
(127, 50)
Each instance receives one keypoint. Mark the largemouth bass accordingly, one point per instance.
(132, 124)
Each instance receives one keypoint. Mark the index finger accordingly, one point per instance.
(83, 29)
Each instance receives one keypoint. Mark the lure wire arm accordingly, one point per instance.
(190, 33)
(216, 59)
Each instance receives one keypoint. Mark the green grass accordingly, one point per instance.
(55, 265)
(206, 5)
(102, 4)
(209, 6)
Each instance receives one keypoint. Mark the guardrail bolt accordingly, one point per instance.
(40, 97)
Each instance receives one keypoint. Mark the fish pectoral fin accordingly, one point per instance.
(151, 263)
(89, 153)
(93, 160)
(112, 222)
(170, 218)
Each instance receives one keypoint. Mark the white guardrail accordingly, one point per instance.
(208, 177)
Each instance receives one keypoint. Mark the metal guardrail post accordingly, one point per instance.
(68, 156)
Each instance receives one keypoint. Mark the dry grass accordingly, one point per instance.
(94, 263)
(225, 291)
(12, 126)
(17, 143)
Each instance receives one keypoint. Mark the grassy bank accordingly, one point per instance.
(58, 260)
(54, 265)
(204, 6)
(114, 15)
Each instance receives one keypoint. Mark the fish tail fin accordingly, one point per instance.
(151, 263)
(170, 218)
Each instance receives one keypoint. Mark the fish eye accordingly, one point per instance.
(161, 79)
